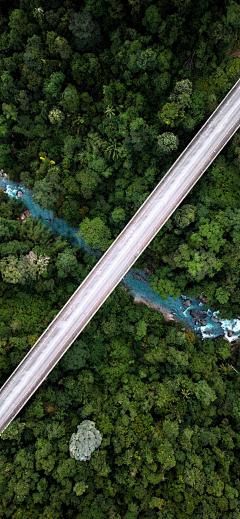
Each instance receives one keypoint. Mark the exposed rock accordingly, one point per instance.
(214, 319)
(19, 193)
(24, 214)
(168, 316)
(198, 314)
(138, 277)
(202, 299)
(203, 322)
(229, 333)
(186, 302)
(196, 322)
(149, 270)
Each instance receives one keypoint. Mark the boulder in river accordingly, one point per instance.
(198, 314)
(187, 302)
(203, 322)
(139, 277)
(214, 319)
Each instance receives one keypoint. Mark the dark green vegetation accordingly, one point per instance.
(97, 103)
(166, 404)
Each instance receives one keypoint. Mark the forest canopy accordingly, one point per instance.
(163, 405)
(98, 100)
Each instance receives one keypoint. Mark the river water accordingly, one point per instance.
(137, 282)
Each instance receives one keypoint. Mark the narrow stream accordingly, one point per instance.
(189, 311)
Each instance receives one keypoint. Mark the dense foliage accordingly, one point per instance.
(98, 100)
(166, 404)
(85, 441)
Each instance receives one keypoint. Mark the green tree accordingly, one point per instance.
(4, 127)
(71, 211)
(167, 142)
(209, 233)
(222, 295)
(142, 59)
(48, 190)
(170, 114)
(89, 180)
(62, 47)
(10, 111)
(165, 287)
(152, 18)
(198, 263)
(15, 247)
(70, 99)
(5, 159)
(76, 357)
(85, 30)
(56, 116)
(33, 53)
(7, 86)
(53, 85)
(139, 134)
(14, 430)
(95, 233)
(118, 215)
(80, 488)
(204, 393)
(66, 264)
(16, 270)
(38, 13)
(233, 12)
(85, 441)
(50, 39)
(182, 93)
(165, 455)
(18, 24)
(23, 100)
(185, 215)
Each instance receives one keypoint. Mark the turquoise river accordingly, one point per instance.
(204, 323)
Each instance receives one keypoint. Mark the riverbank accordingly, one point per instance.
(189, 311)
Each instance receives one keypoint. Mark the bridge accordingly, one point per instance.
(120, 256)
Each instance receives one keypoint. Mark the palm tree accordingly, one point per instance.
(110, 111)
(112, 149)
(38, 12)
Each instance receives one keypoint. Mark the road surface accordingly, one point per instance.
(116, 262)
